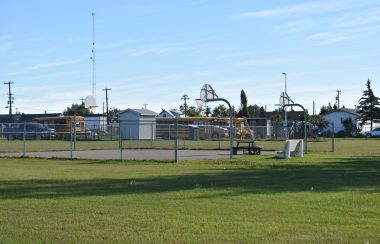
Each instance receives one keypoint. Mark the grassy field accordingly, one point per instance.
(323, 197)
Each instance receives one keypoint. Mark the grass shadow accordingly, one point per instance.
(349, 174)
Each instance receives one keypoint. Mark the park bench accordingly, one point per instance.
(291, 148)
(249, 147)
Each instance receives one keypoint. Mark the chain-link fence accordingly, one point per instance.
(27, 138)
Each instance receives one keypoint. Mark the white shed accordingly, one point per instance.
(95, 122)
(138, 124)
(337, 116)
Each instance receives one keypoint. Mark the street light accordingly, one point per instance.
(285, 112)
(285, 81)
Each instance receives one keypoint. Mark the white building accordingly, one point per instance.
(95, 122)
(169, 114)
(138, 124)
(338, 116)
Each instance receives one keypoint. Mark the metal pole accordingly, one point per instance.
(231, 122)
(71, 140)
(305, 129)
(24, 138)
(120, 142)
(305, 121)
(333, 137)
(75, 132)
(285, 115)
(152, 135)
(176, 141)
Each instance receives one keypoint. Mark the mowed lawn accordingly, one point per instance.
(323, 197)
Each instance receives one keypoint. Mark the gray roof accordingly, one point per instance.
(139, 111)
(346, 110)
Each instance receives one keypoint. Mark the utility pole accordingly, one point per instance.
(82, 99)
(145, 104)
(10, 98)
(338, 97)
(185, 98)
(107, 89)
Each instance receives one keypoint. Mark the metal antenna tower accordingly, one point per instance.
(93, 58)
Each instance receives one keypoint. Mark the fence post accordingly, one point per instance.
(176, 141)
(333, 137)
(219, 139)
(71, 140)
(111, 132)
(152, 135)
(24, 137)
(120, 142)
(75, 132)
(184, 135)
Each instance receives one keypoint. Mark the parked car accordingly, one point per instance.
(31, 130)
(373, 133)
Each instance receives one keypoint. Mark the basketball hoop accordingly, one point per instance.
(285, 99)
(200, 103)
(207, 93)
(90, 102)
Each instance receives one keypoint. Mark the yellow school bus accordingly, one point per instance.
(63, 124)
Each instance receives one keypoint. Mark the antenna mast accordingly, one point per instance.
(93, 58)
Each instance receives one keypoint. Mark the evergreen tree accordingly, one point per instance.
(243, 104)
(349, 126)
(369, 107)
(326, 109)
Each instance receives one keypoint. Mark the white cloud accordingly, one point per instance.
(336, 36)
(166, 48)
(305, 9)
(330, 37)
(357, 19)
(269, 61)
(54, 64)
(290, 10)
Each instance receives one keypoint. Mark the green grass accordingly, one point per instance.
(345, 146)
(323, 197)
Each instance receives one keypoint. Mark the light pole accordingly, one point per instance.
(285, 111)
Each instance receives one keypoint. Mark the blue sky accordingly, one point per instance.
(153, 52)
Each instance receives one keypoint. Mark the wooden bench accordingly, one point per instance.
(291, 148)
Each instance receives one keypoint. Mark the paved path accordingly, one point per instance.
(130, 154)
